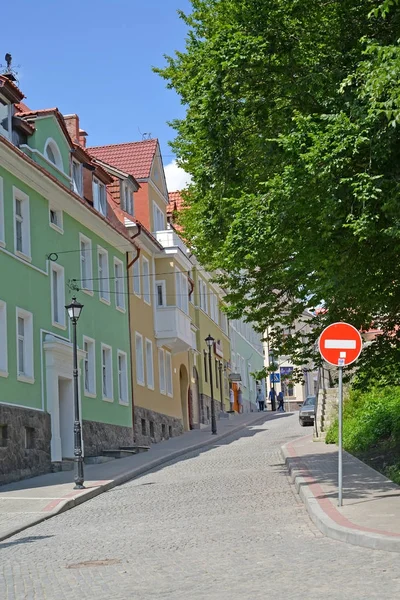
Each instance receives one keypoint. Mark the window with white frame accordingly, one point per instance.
(161, 369)
(160, 293)
(53, 154)
(2, 234)
(99, 197)
(168, 372)
(86, 263)
(136, 277)
(22, 230)
(24, 345)
(139, 358)
(77, 178)
(122, 377)
(181, 291)
(126, 198)
(106, 372)
(146, 280)
(103, 274)
(203, 295)
(56, 219)
(119, 284)
(149, 365)
(6, 110)
(89, 366)
(57, 294)
(3, 339)
(214, 307)
(158, 218)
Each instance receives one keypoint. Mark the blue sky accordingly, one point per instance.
(94, 58)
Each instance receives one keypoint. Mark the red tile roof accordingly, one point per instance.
(134, 158)
(176, 202)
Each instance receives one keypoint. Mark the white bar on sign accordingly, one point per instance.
(341, 344)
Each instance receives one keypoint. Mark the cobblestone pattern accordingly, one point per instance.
(17, 461)
(172, 426)
(104, 436)
(220, 524)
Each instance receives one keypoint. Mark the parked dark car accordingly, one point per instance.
(307, 411)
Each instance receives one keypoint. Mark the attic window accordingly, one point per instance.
(127, 198)
(53, 154)
(5, 118)
(99, 197)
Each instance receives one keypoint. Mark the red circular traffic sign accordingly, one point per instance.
(340, 344)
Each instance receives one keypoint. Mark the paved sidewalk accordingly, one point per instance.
(25, 503)
(370, 515)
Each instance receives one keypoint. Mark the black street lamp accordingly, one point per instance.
(273, 396)
(210, 342)
(74, 311)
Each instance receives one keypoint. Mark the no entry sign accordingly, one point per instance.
(340, 344)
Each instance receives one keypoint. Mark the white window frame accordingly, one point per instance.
(203, 296)
(136, 278)
(25, 253)
(3, 132)
(158, 218)
(146, 280)
(127, 200)
(108, 366)
(87, 259)
(90, 360)
(100, 206)
(168, 374)
(123, 390)
(161, 284)
(27, 376)
(140, 370)
(60, 309)
(77, 185)
(161, 370)
(56, 152)
(181, 291)
(2, 230)
(119, 285)
(59, 227)
(3, 340)
(149, 364)
(103, 274)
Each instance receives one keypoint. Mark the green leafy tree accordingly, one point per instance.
(291, 139)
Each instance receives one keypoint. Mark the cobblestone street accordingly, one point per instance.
(223, 523)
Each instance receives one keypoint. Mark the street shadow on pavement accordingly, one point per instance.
(25, 540)
(360, 482)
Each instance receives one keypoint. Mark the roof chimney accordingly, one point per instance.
(72, 125)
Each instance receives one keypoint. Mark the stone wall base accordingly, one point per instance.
(153, 427)
(104, 436)
(24, 443)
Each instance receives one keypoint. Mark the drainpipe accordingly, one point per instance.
(128, 266)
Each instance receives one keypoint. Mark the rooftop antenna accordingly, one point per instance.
(7, 70)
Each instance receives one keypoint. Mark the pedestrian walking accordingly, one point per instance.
(272, 397)
(280, 402)
(240, 400)
(231, 398)
(260, 399)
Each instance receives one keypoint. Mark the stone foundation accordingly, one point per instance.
(163, 426)
(24, 443)
(103, 436)
(327, 408)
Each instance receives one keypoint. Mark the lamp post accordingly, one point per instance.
(74, 311)
(210, 342)
(221, 391)
(271, 362)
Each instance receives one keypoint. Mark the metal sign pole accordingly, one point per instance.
(340, 456)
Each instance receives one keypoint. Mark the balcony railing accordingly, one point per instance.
(173, 328)
(170, 239)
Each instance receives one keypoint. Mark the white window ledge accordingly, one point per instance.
(88, 292)
(108, 399)
(89, 394)
(104, 301)
(124, 402)
(56, 228)
(3, 373)
(23, 256)
(59, 326)
(26, 379)
(141, 383)
(121, 310)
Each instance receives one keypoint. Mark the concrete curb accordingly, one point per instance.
(352, 534)
(90, 493)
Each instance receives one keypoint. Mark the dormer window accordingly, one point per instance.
(77, 180)
(127, 198)
(5, 118)
(99, 197)
(53, 154)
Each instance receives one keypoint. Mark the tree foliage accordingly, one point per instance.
(291, 138)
